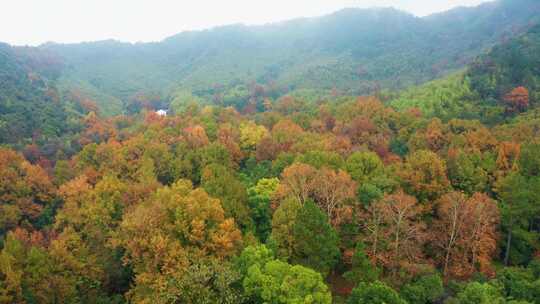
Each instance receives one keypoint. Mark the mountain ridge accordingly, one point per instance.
(354, 51)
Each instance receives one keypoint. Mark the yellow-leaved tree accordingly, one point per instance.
(166, 235)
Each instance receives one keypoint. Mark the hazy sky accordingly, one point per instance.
(33, 22)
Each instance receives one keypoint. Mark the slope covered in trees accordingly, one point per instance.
(27, 102)
(510, 72)
(494, 87)
(355, 51)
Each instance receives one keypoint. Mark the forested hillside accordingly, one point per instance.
(27, 102)
(493, 88)
(355, 51)
(251, 192)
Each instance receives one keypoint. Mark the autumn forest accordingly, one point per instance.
(346, 177)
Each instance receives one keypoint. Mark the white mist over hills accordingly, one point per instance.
(33, 22)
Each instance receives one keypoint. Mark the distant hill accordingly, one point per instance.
(30, 105)
(478, 92)
(353, 50)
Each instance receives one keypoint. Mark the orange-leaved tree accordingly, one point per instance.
(465, 234)
(517, 100)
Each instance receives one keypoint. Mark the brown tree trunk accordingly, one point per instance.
(508, 242)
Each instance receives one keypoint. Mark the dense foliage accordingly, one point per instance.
(495, 87)
(165, 209)
(30, 107)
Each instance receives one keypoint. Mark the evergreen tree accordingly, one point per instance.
(374, 293)
(362, 269)
(315, 241)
